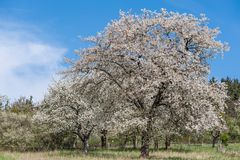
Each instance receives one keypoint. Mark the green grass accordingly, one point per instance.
(6, 158)
(177, 152)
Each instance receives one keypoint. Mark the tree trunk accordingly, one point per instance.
(145, 144)
(167, 142)
(104, 139)
(215, 137)
(134, 141)
(84, 138)
(74, 144)
(214, 141)
(146, 134)
(125, 141)
(156, 146)
(189, 140)
(85, 145)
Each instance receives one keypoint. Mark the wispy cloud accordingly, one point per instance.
(27, 62)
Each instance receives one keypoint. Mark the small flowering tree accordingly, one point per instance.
(106, 99)
(196, 110)
(65, 108)
(156, 63)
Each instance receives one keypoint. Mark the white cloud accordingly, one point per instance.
(27, 63)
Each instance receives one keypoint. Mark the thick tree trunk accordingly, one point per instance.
(145, 144)
(167, 142)
(85, 145)
(146, 134)
(104, 139)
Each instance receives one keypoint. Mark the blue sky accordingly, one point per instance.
(35, 35)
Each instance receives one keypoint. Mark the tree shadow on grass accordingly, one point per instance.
(169, 158)
(126, 153)
(176, 158)
(181, 150)
(79, 153)
(111, 154)
(102, 155)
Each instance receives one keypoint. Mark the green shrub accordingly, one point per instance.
(224, 138)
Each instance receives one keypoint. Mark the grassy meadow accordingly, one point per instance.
(177, 152)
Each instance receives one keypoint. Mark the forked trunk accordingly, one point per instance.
(85, 145)
(84, 138)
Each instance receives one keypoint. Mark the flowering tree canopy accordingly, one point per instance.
(67, 109)
(157, 64)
